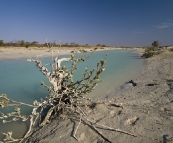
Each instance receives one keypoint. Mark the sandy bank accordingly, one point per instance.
(147, 111)
(22, 52)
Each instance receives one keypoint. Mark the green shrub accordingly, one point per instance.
(148, 54)
(26, 46)
(151, 51)
(155, 44)
(171, 49)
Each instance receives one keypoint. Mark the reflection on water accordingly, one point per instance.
(20, 80)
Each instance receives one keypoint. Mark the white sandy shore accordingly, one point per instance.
(22, 52)
(147, 111)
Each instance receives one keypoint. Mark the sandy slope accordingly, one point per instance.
(147, 112)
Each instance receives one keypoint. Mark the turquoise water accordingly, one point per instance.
(20, 79)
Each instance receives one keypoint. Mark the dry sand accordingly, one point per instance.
(147, 111)
(22, 52)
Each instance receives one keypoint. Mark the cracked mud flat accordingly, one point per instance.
(147, 111)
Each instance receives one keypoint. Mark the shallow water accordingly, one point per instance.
(20, 79)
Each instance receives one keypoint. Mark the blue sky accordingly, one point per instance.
(110, 22)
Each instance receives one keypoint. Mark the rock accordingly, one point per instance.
(133, 83)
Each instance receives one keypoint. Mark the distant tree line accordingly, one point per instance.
(23, 43)
(19, 43)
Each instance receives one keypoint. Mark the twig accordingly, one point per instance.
(74, 135)
(30, 128)
(106, 139)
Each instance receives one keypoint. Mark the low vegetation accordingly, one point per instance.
(171, 49)
(151, 51)
(26, 44)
